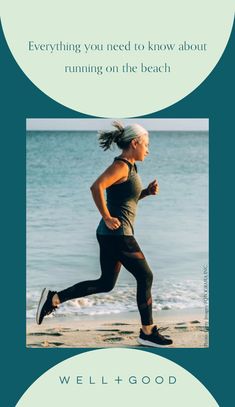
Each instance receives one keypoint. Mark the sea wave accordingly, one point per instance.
(169, 295)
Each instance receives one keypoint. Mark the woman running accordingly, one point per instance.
(115, 232)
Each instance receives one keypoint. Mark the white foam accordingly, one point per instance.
(169, 295)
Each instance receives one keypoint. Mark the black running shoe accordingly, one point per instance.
(155, 339)
(45, 306)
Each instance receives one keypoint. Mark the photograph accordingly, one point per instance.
(117, 233)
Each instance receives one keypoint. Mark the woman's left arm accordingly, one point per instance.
(152, 189)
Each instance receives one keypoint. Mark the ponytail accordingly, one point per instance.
(107, 138)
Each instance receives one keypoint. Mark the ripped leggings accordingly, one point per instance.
(114, 252)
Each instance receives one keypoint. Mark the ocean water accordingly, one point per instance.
(171, 228)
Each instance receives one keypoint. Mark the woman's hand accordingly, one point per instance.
(112, 223)
(153, 188)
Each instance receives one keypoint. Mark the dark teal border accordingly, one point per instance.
(20, 99)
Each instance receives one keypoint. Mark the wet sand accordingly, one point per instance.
(186, 329)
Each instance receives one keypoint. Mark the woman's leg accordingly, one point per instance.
(110, 267)
(134, 261)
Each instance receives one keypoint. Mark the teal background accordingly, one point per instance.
(213, 99)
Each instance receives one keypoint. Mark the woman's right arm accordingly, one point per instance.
(116, 172)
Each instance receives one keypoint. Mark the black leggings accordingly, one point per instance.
(114, 252)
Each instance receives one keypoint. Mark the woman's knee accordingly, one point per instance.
(148, 285)
(106, 286)
(148, 278)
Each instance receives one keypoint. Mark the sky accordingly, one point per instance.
(101, 124)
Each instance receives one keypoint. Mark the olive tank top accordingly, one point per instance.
(122, 202)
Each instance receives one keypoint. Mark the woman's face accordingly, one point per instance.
(142, 148)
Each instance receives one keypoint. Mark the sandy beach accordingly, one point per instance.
(188, 329)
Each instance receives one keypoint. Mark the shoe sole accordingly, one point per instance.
(151, 344)
(41, 303)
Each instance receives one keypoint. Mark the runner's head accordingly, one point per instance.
(122, 136)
